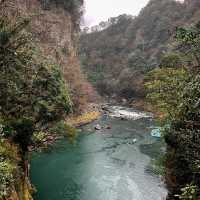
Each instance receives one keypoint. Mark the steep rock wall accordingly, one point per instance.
(56, 31)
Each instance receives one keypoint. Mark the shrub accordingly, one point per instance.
(62, 128)
(33, 91)
(39, 137)
(8, 166)
(6, 176)
(189, 193)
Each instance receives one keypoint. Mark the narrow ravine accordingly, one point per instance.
(109, 164)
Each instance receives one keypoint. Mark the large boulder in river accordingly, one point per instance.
(97, 127)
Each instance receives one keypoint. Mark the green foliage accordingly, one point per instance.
(189, 108)
(165, 87)
(171, 61)
(62, 128)
(51, 99)
(8, 166)
(176, 94)
(189, 192)
(38, 137)
(6, 177)
(33, 92)
(189, 39)
(33, 95)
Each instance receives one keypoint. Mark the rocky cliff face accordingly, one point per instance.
(55, 29)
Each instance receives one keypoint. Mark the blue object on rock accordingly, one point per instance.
(156, 132)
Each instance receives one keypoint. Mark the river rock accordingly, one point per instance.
(97, 127)
(123, 118)
(134, 140)
(124, 101)
(108, 127)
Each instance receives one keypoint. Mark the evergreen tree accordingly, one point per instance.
(176, 93)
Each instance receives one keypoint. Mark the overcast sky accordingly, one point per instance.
(100, 10)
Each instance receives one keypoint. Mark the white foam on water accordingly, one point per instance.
(123, 112)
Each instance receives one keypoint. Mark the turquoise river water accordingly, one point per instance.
(109, 164)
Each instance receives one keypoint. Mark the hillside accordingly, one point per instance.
(55, 28)
(41, 82)
(117, 54)
(47, 103)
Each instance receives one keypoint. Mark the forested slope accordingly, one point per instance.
(174, 91)
(40, 83)
(118, 53)
(54, 26)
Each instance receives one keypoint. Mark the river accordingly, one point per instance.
(109, 164)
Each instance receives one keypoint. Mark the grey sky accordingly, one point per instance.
(100, 10)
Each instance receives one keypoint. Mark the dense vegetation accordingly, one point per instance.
(117, 56)
(34, 97)
(175, 91)
(118, 53)
(33, 92)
